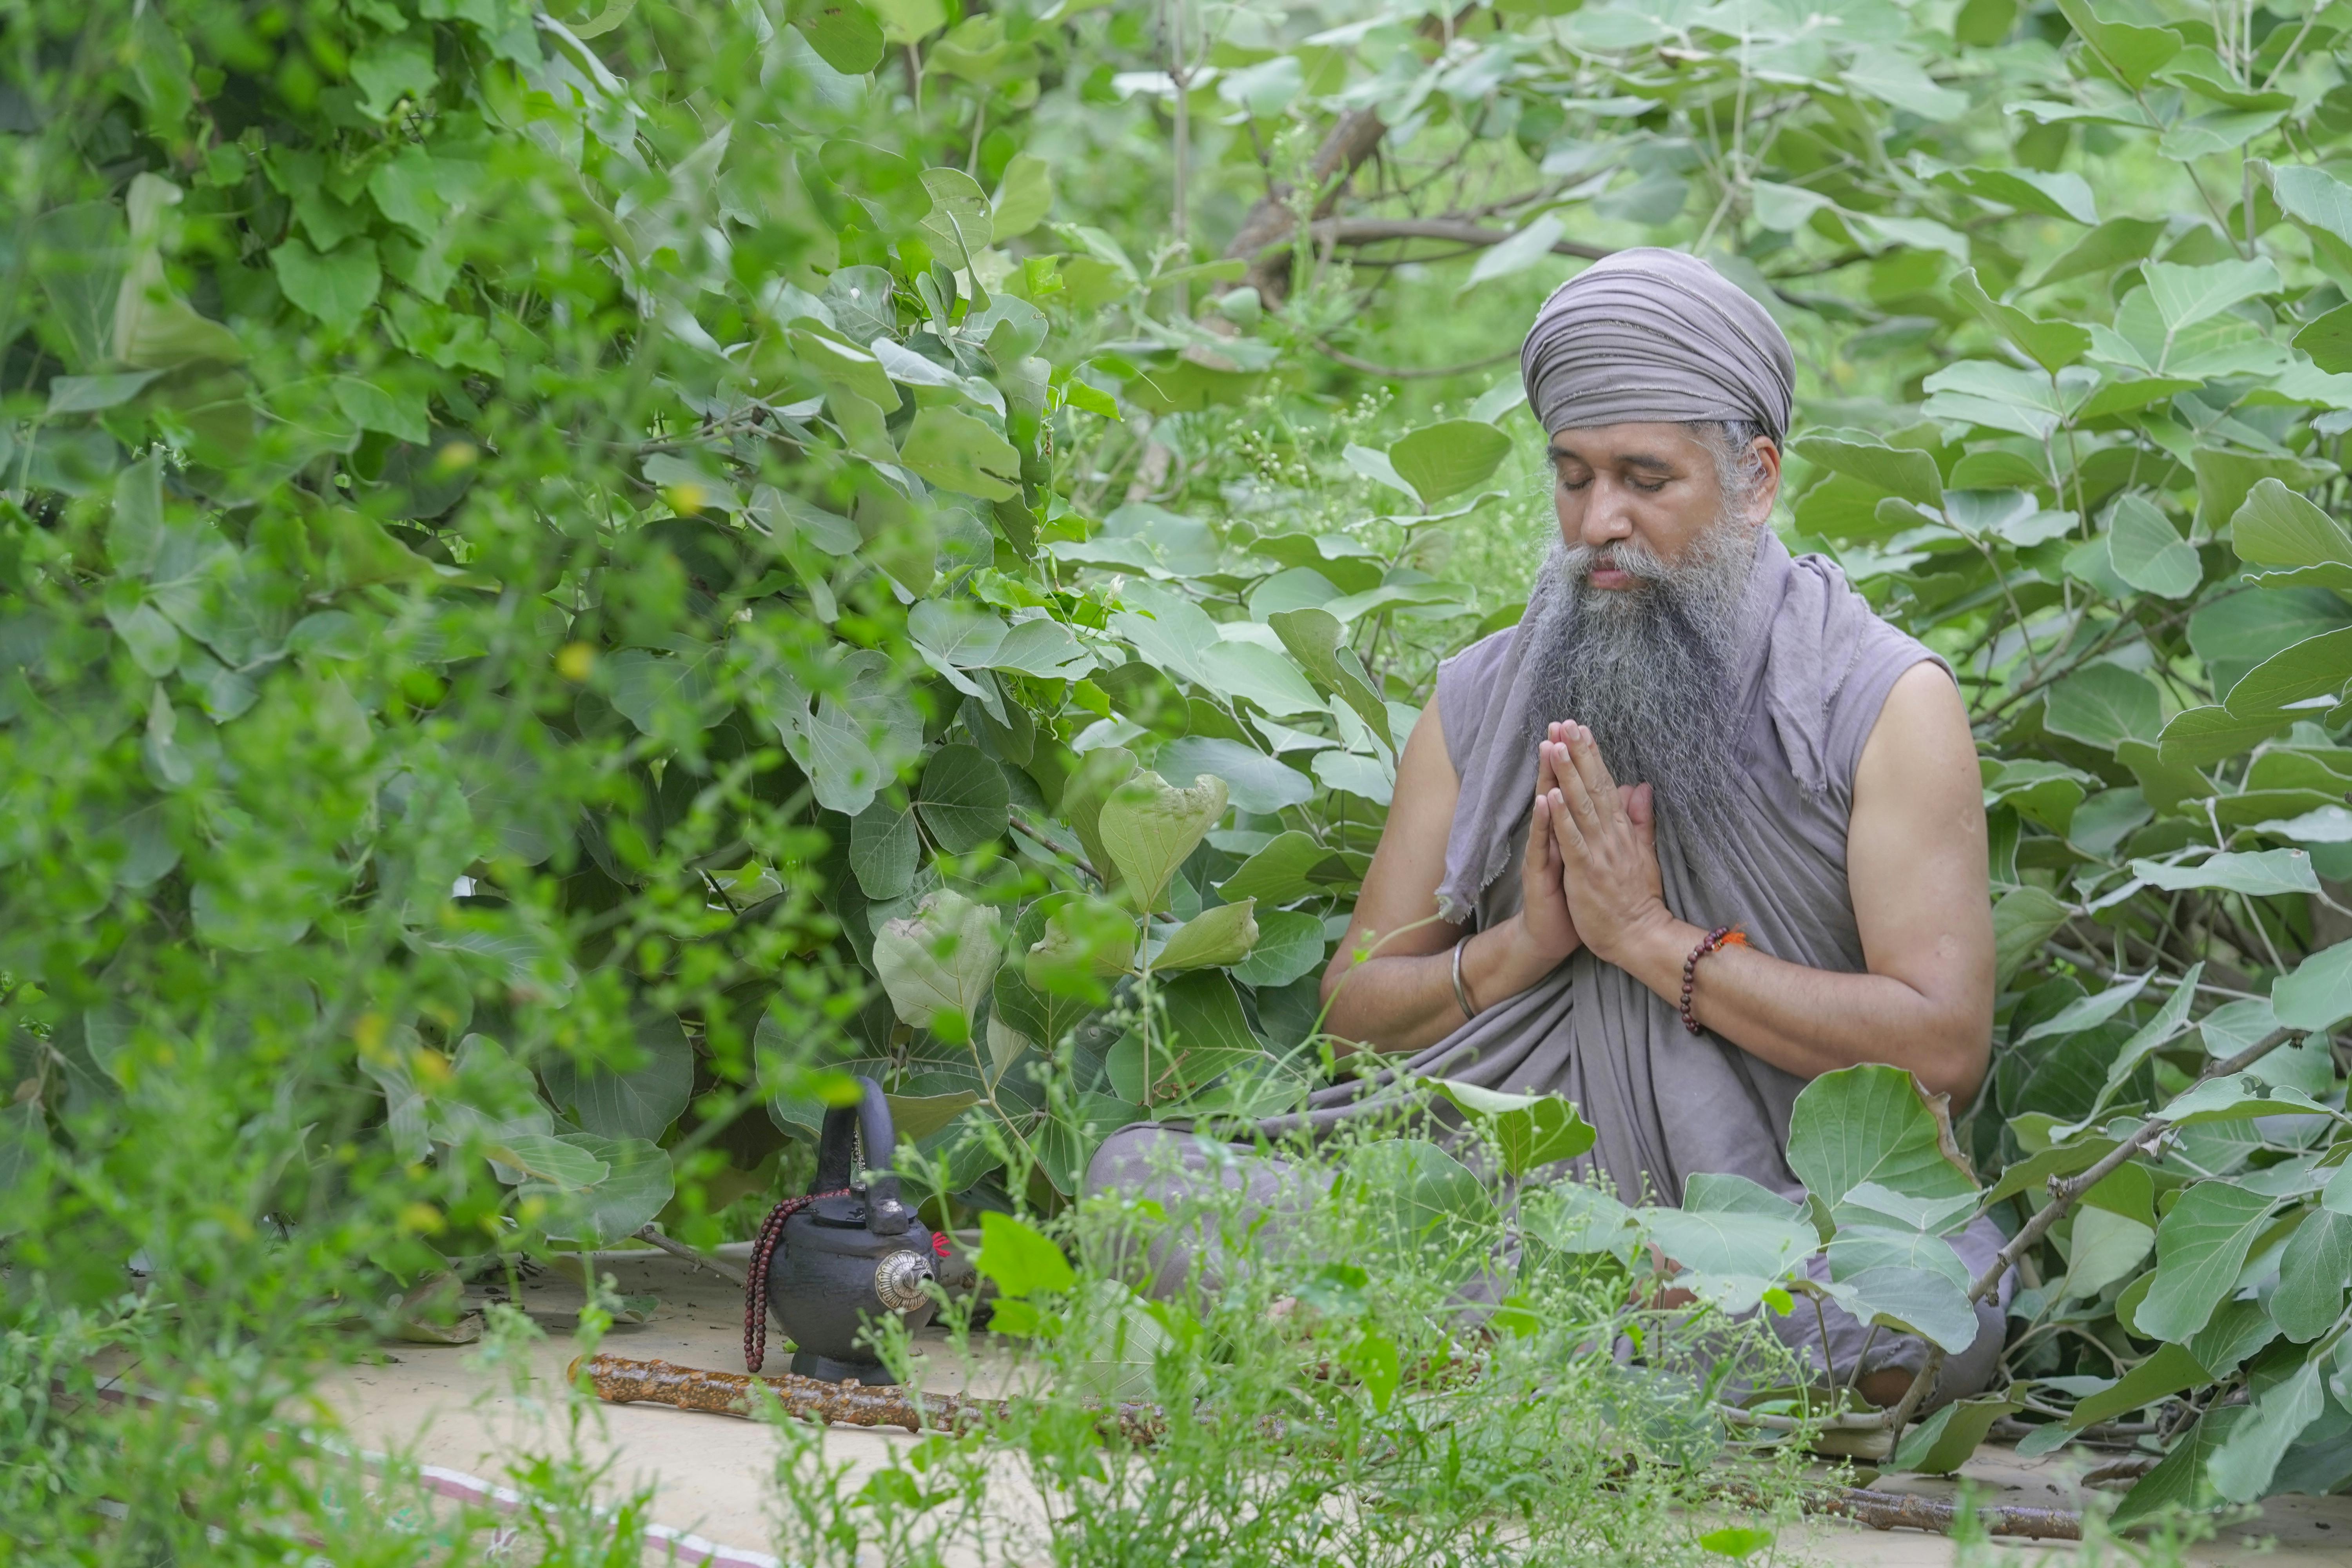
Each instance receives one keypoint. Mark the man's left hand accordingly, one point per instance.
(1608, 846)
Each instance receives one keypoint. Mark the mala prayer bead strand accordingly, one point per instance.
(1719, 938)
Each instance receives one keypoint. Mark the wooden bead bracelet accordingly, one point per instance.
(1720, 937)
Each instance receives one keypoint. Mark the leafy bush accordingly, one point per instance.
(568, 575)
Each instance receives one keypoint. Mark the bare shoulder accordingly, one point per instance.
(1921, 739)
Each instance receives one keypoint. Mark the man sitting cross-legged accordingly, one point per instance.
(1688, 730)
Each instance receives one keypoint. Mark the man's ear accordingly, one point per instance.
(1767, 453)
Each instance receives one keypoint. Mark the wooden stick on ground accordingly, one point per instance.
(621, 1381)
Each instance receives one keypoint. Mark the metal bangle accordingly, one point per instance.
(1461, 990)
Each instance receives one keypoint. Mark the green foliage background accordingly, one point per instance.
(570, 573)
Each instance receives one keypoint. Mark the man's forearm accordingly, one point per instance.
(1403, 1002)
(1811, 1021)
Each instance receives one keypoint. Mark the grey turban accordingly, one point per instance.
(1657, 336)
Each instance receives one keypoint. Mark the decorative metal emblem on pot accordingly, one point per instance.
(830, 1265)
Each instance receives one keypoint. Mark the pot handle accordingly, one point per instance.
(836, 1162)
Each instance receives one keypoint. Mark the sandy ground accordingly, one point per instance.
(711, 1475)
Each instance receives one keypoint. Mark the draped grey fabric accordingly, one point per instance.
(1655, 336)
(1817, 666)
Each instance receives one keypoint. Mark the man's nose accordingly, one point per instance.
(1608, 515)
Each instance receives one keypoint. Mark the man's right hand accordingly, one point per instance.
(1547, 928)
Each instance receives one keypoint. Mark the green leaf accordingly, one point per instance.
(2316, 667)
(371, 407)
(1148, 826)
(90, 393)
(1738, 1541)
(2312, 1273)
(1997, 396)
(957, 452)
(1252, 671)
(1516, 253)
(917, 1116)
(2111, 245)
(1446, 458)
(1044, 648)
(2315, 197)
(1416, 1188)
(958, 224)
(519, 1157)
(2226, 478)
(2242, 1464)
(1943, 1443)
(1020, 1260)
(2180, 1480)
(2158, 1032)
(641, 1102)
(2105, 705)
(2187, 295)
(390, 69)
(2318, 995)
(638, 1184)
(845, 368)
(1729, 1260)
(1530, 1130)
(2276, 527)
(1873, 1124)
(2328, 341)
(2200, 737)
(884, 850)
(2171, 1370)
(1254, 781)
(1212, 939)
(1916, 1301)
(2134, 53)
(2201, 1246)
(2061, 194)
(337, 287)
(1312, 636)
(963, 799)
(1291, 866)
(1206, 1037)
(843, 33)
(2106, 1247)
(937, 964)
(1056, 983)
(1024, 197)
(645, 687)
(1289, 945)
(2020, 920)
(1898, 470)
(2053, 345)
(2261, 873)
(2148, 551)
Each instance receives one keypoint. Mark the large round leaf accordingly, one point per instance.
(641, 1102)
(1254, 781)
(1289, 944)
(963, 799)
(635, 1187)
(1443, 459)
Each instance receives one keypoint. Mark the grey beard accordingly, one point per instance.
(1650, 671)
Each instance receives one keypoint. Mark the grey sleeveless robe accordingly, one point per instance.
(1666, 1104)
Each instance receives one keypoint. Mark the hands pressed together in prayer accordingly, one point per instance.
(1590, 875)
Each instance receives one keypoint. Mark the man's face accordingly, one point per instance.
(1654, 488)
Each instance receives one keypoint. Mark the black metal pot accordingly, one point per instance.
(851, 1257)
